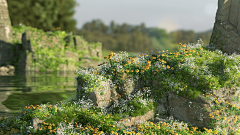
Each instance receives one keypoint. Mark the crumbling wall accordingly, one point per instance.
(17, 49)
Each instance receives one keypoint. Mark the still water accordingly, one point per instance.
(34, 88)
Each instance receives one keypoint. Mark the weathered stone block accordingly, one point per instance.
(7, 70)
(6, 53)
(5, 23)
(226, 32)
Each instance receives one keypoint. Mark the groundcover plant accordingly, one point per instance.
(93, 121)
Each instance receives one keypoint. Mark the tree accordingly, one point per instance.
(158, 33)
(124, 28)
(176, 36)
(86, 26)
(118, 30)
(43, 14)
(112, 26)
(93, 25)
(17, 13)
(139, 42)
(143, 29)
(182, 36)
(102, 28)
(122, 40)
(66, 20)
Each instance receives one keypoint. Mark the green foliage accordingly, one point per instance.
(158, 33)
(182, 36)
(85, 117)
(45, 15)
(58, 117)
(139, 109)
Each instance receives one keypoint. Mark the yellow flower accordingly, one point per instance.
(55, 108)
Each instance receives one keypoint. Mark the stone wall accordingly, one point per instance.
(5, 22)
(18, 46)
(5, 29)
(226, 31)
(21, 53)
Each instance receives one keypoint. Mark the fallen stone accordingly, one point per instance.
(7, 70)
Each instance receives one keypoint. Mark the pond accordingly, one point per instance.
(34, 88)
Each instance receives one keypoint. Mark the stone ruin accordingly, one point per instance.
(226, 31)
(225, 36)
(5, 23)
(22, 44)
(197, 112)
(5, 30)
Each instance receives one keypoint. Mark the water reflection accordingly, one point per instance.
(34, 88)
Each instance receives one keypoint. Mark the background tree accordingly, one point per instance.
(93, 25)
(86, 26)
(143, 28)
(141, 41)
(124, 28)
(112, 27)
(102, 28)
(118, 29)
(182, 36)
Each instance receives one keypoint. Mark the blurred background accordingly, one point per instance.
(122, 25)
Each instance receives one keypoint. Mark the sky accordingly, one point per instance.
(171, 15)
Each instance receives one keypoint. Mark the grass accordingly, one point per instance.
(95, 123)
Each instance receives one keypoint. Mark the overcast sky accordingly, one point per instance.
(171, 15)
